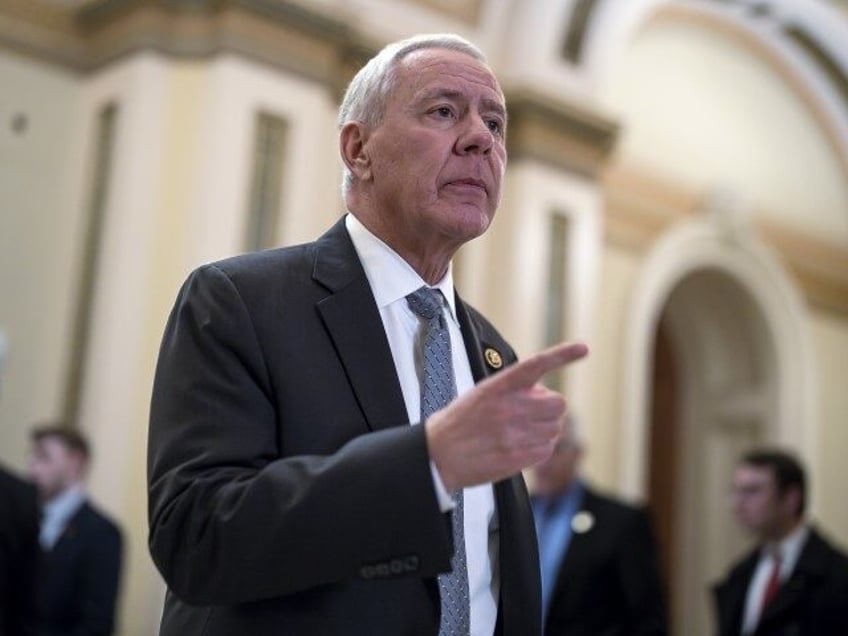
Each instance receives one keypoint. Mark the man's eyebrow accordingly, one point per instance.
(452, 94)
(495, 106)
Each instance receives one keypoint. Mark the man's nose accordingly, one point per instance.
(475, 136)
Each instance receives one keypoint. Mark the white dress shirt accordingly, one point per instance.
(56, 514)
(789, 550)
(391, 278)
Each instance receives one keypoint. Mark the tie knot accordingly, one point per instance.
(426, 302)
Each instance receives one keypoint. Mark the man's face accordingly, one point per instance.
(556, 473)
(53, 467)
(438, 155)
(758, 506)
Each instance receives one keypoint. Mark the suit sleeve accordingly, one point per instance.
(641, 581)
(233, 521)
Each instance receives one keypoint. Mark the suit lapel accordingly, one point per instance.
(475, 344)
(354, 324)
(788, 595)
(70, 532)
(519, 606)
(809, 568)
(730, 595)
(520, 583)
(579, 547)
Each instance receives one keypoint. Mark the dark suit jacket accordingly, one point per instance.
(78, 580)
(813, 602)
(18, 555)
(609, 582)
(288, 494)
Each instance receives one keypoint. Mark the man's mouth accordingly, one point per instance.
(469, 183)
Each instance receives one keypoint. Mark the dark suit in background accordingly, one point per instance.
(282, 355)
(79, 576)
(18, 555)
(608, 583)
(812, 602)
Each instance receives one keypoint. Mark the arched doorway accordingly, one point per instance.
(713, 396)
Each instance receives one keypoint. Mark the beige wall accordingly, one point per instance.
(702, 106)
(603, 428)
(183, 199)
(177, 198)
(827, 472)
(41, 229)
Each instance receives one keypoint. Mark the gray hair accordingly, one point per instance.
(367, 94)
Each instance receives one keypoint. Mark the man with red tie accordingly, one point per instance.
(795, 582)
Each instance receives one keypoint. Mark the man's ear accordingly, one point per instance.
(354, 150)
(792, 501)
(79, 465)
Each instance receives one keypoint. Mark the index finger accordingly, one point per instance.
(525, 373)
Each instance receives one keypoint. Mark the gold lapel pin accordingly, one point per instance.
(582, 522)
(493, 358)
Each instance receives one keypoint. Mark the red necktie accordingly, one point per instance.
(772, 585)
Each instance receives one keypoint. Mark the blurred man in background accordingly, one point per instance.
(81, 547)
(600, 573)
(794, 581)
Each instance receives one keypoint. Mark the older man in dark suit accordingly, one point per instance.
(795, 582)
(289, 492)
(600, 571)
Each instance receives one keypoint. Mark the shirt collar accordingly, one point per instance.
(64, 505)
(391, 278)
(790, 547)
(569, 499)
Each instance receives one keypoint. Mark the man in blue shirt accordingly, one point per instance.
(598, 559)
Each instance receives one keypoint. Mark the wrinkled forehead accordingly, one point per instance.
(426, 66)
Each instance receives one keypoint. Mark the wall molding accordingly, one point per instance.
(773, 52)
(565, 135)
(819, 267)
(280, 34)
(285, 36)
(639, 208)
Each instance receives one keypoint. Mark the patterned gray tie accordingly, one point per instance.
(438, 387)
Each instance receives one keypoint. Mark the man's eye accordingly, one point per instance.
(444, 111)
(495, 126)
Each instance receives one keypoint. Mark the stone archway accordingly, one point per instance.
(732, 326)
(723, 402)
